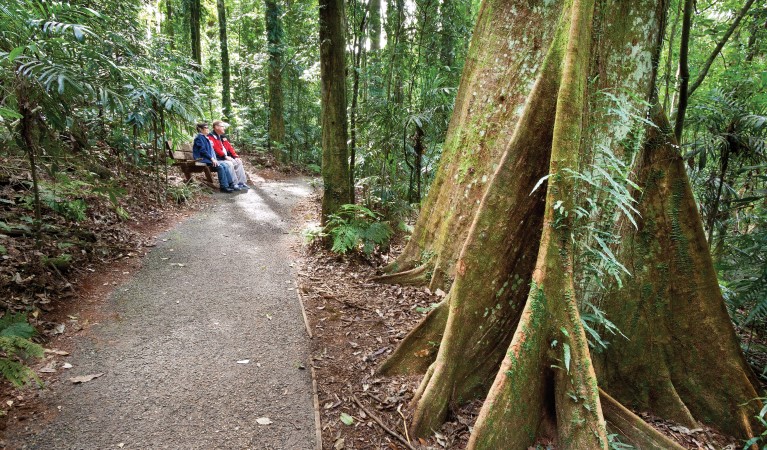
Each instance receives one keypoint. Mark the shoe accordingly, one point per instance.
(234, 187)
(244, 186)
(227, 190)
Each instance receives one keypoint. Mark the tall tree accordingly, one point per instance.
(525, 350)
(226, 93)
(274, 35)
(374, 29)
(169, 30)
(195, 13)
(335, 157)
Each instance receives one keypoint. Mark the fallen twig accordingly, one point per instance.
(399, 437)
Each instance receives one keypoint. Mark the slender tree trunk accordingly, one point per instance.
(670, 58)
(26, 123)
(418, 149)
(374, 11)
(195, 12)
(274, 34)
(226, 97)
(169, 30)
(355, 95)
(684, 70)
(335, 163)
(447, 18)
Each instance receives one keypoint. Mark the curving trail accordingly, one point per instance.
(217, 289)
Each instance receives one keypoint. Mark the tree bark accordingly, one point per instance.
(195, 10)
(335, 164)
(274, 34)
(374, 29)
(226, 96)
(681, 359)
(169, 29)
(684, 70)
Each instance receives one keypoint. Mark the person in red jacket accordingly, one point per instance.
(226, 155)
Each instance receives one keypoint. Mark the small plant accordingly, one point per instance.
(355, 227)
(760, 440)
(16, 347)
(182, 193)
(616, 444)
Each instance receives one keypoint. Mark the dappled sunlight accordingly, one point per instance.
(255, 207)
(297, 189)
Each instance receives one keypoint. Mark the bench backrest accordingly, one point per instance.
(182, 154)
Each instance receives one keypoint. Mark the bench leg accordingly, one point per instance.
(208, 175)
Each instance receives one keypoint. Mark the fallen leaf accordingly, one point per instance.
(85, 378)
(347, 419)
(66, 366)
(59, 329)
(264, 421)
(339, 445)
(48, 369)
(243, 361)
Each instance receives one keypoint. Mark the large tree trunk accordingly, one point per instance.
(546, 381)
(274, 37)
(681, 358)
(335, 164)
(490, 99)
(226, 96)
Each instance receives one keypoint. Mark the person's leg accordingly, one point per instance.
(230, 170)
(239, 170)
(223, 177)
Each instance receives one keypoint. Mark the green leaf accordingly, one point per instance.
(3, 250)
(347, 419)
(16, 52)
(6, 113)
(19, 329)
(567, 356)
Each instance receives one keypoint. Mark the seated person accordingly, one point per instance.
(204, 151)
(226, 154)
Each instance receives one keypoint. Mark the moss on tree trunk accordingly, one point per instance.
(681, 359)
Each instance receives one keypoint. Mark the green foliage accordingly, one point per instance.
(761, 440)
(615, 443)
(183, 193)
(356, 228)
(16, 347)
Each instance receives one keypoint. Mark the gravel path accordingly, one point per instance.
(217, 289)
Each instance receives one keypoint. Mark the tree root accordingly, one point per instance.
(636, 431)
(418, 276)
(418, 350)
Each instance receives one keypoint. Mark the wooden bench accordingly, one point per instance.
(184, 160)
